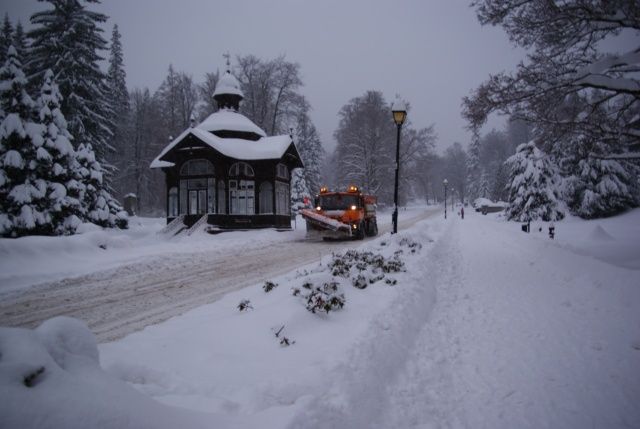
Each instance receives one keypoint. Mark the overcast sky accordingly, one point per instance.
(431, 52)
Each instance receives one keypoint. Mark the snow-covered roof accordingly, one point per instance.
(265, 148)
(229, 120)
(228, 84)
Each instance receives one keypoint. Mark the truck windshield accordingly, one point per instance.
(338, 201)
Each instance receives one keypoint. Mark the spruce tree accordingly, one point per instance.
(477, 177)
(58, 162)
(533, 188)
(68, 40)
(101, 208)
(23, 202)
(19, 40)
(598, 185)
(299, 190)
(311, 151)
(6, 38)
(118, 96)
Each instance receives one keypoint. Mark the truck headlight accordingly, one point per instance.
(353, 207)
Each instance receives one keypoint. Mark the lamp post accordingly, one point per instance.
(399, 110)
(445, 182)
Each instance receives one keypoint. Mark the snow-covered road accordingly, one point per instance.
(124, 299)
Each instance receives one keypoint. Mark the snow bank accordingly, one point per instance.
(50, 377)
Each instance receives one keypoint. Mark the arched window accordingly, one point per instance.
(172, 207)
(266, 198)
(282, 171)
(197, 167)
(241, 169)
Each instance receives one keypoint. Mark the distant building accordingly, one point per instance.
(226, 171)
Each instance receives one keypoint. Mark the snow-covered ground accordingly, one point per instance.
(152, 278)
(486, 327)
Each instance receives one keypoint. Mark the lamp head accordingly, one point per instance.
(399, 110)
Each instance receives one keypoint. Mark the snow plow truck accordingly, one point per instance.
(342, 215)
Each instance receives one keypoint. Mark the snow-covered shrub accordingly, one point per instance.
(533, 188)
(245, 305)
(359, 282)
(325, 298)
(413, 245)
(269, 286)
(341, 265)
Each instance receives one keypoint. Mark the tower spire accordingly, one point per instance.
(227, 56)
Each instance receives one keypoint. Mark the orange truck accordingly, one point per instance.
(349, 214)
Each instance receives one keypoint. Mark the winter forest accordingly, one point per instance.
(76, 139)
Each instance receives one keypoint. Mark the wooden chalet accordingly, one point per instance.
(226, 171)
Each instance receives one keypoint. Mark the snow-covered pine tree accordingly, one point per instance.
(607, 188)
(57, 162)
(118, 97)
(6, 38)
(482, 186)
(23, 202)
(68, 40)
(20, 40)
(101, 208)
(533, 184)
(596, 184)
(477, 179)
(299, 190)
(308, 143)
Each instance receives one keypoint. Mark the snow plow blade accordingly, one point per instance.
(324, 226)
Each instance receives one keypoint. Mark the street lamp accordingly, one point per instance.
(399, 110)
(445, 182)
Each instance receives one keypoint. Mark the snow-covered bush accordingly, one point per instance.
(269, 286)
(245, 305)
(341, 265)
(413, 245)
(533, 188)
(325, 298)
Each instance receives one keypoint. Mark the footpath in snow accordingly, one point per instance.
(480, 325)
(528, 332)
